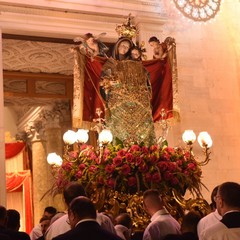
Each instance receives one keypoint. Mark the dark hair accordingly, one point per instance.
(13, 219)
(83, 208)
(88, 35)
(213, 195)
(73, 190)
(44, 218)
(3, 213)
(230, 193)
(153, 39)
(190, 222)
(51, 210)
(124, 219)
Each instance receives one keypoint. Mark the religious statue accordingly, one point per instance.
(128, 89)
(128, 97)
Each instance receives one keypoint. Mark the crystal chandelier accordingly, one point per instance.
(198, 10)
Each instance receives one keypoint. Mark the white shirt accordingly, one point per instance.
(122, 231)
(162, 223)
(36, 232)
(219, 231)
(208, 221)
(61, 226)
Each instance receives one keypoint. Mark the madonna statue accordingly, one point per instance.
(130, 91)
(127, 93)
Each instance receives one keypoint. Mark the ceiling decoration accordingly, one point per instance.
(37, 57)
(198, 10)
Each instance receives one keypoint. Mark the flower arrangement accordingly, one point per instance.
(132, 169)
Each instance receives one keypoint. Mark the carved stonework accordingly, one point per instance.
(37, 57)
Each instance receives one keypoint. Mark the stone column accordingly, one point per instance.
(3, 200)
(40, 173)
(54, 143)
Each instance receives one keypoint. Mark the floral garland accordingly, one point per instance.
(132, 169)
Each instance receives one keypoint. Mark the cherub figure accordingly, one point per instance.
(92, 46)
(159, 49)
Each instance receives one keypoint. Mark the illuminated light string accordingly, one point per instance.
(198, 10)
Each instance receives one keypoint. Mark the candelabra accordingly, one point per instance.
(204, 140)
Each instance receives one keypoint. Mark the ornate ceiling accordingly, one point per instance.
(35, 57)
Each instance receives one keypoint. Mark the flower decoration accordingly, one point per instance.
(132, 169)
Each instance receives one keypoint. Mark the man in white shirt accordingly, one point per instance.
(162, 223)
(123, 226)
(36, 232)
(211, 218)
(228, 205)
(61, 225)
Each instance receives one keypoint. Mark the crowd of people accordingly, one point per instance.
(82, 221)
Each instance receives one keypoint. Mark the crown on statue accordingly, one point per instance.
(127, 29)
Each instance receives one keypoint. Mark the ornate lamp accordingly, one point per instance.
(105, 137)
(204, 140)
(54, 160)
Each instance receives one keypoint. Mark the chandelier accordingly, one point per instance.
(198, 10)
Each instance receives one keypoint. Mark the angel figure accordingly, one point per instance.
(92, 46)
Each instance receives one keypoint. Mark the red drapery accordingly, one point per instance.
(22, 179)
(12, 149)
(160, 78)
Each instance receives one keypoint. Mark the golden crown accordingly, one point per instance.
(127, 29)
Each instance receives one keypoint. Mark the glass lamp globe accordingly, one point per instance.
(205, 140)
(54, 159)
(82, 136)
(189, 137)
(105, 136)
(69, 137)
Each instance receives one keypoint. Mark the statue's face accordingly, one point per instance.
(123, 47)
(135, 54)
(154, 44)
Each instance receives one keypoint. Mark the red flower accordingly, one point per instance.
(191, 166)
(93, 169)
(109, 168)
(129, 157)
(132, 181)
(121, 153)
(156, 177)
(117, 160)
(79, 174)
(111, 182)
(73, 154)
(81, 166)
(148, 177)
(174, 181)
(134, 148)
(163, 166)
(143, 168)
(126, 169)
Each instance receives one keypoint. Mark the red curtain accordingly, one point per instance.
(160, 78)
(12, 149)
(22, 179)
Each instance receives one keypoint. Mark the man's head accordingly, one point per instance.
(44, 223)
(49, 212)
(13, 219)
(213, 195)
(152, 201)
(228, 197)
(124, 219)
(79, 209)
(3, 216)
(73, 190)
(190, 222)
